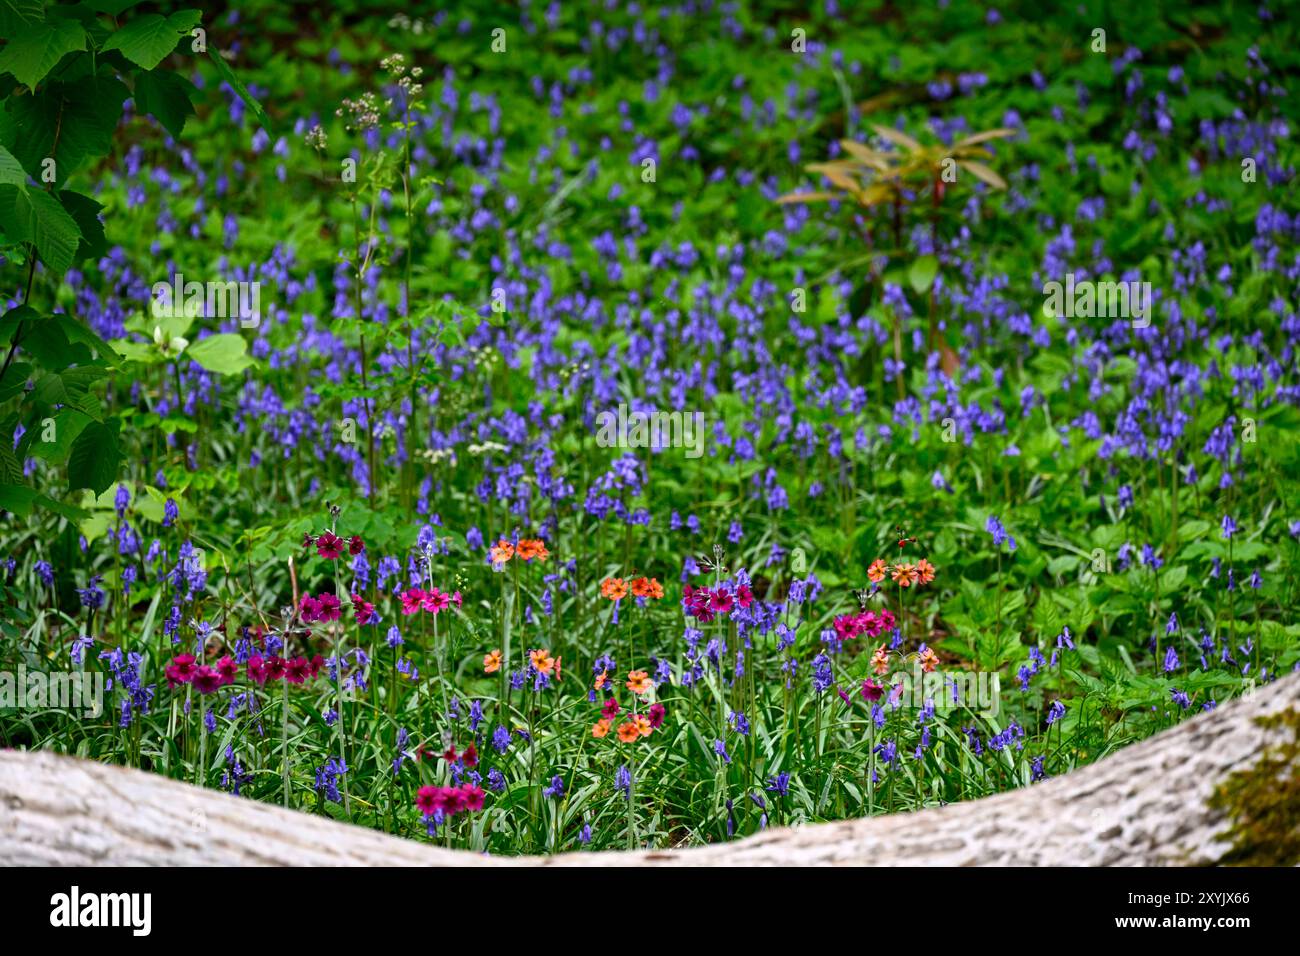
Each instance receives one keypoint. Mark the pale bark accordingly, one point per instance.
(1144, 805)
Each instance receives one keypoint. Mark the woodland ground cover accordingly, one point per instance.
(986, 321)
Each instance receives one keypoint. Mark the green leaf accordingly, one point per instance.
(46, 342)
(85, 213)
(11, 171)
(236, 84)
(37, 48)
(65, 427)
(17, 499)
(38, 218)
(147, 39)
(76, 332)
(71, 512)
(95, 456)
(14, 380)
(72, 123)
(113, 8)
(167, 97)
(225, 354)
(18, 14)
(922, 273)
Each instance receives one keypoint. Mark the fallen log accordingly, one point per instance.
(1206, 791)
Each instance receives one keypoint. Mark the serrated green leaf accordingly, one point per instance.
(95, 456)
(71, 512)
(167, 97)
(38, 218)
(17, 499)
(147, 39)
(17, 14)
(71, 123)
(85, 213)
(62, 429)
(11, 171)
(35, 49)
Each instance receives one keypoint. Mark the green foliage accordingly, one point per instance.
(72, 68)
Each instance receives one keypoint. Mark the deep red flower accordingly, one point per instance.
(610, 710)
(720, 602)
(275, 667)
(256, 668)
(228, 669)
(206, 680)
(329, 545)
(356, 545)
(470, 757)
(297, 670)
(364, 610)
(330, 609)
(472, 797)
(309, 609)
(185, 666)
(317, 662)
(657, 714)
(450, 754)
(428, 799)
(180, 670)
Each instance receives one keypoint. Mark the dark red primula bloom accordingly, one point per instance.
(206, 680)
(275, 668)
(329, 545)
(228, 669)
(297, 670)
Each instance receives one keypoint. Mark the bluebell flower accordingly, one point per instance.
(501, 739)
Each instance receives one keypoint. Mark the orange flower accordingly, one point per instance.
(542, 661)
(530, 548)
(557, 669)
(602, 679)
(929, 660)
(880, 660)
(876, 572)
(639, 682)
(502, 551)
(628, 732)
(642, 724)
(492, 662)
(613, 588)
(926, 570)
(905, 575)
(647, 588)
(601, 727)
